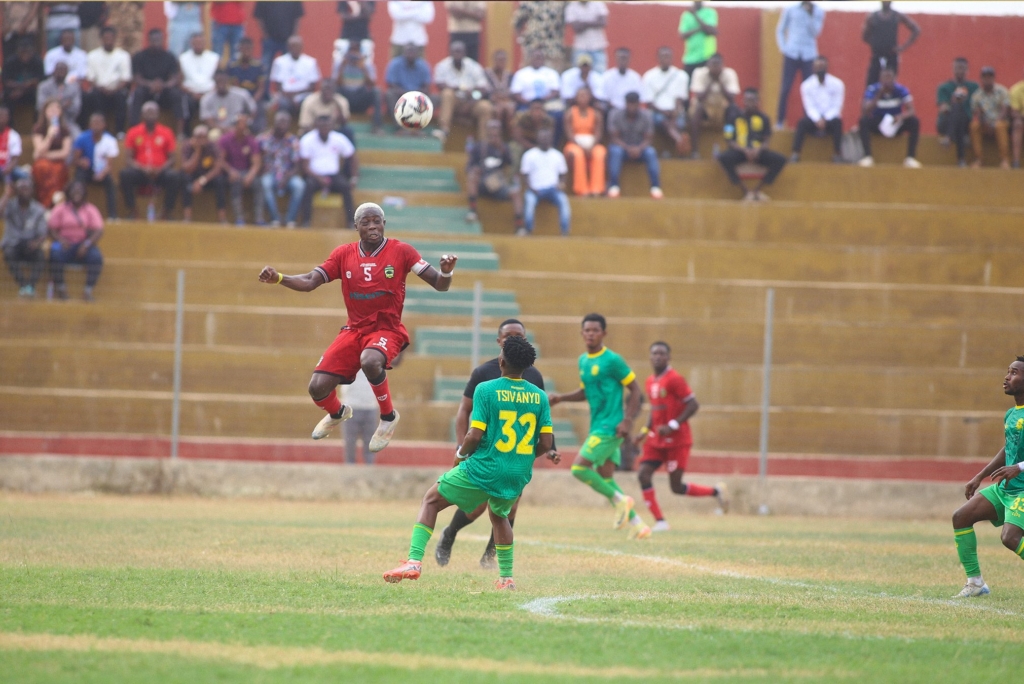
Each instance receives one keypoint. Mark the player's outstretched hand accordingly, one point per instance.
(554, 398)
(268, 275)
(448, 263)
(971, 487)
(1006, 473)
(554, 457)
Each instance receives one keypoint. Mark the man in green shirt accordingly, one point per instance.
(954, 100)
(603, 375)
(698, 27)
(1002, 503)
(510, 426)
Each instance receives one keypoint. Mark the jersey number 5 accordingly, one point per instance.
(366, 272)
(508, 432)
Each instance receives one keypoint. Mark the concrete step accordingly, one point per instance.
(454, 342)
(451, 388)
(415, 218)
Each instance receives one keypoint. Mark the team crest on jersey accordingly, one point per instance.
(594, 370)
(1020, 423)
(389, 271)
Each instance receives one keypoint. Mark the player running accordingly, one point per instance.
(603, 375)
(1002, 503)
(372, 272)
(482, 373)
(667, 438)
(509, 428)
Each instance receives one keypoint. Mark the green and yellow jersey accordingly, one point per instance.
(1013, 428)
(602, 377)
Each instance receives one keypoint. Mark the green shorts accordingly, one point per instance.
(599, 449)
(1009, 507)
(458, 489)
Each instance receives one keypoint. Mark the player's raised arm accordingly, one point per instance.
(556, 398)
(440, 280)
(307, 282)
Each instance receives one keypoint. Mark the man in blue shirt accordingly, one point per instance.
(888, 109)
(406, 72)
(91, 155)
(797, 36)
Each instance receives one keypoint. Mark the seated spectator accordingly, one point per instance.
(668, 87)
(583, 74)
(954, 100)
(584, 126)
(293, 76)
(1017, 107)
(990, 109)
(357, 83)
(202, 168)
(528, 125)
(630, 134)
(748, 133)
(249, 74)
(279, 150)
(22, 76)
(588, 20)
(24, 235)
(91, 155)
(51, 148)
(219, 108)
(320, 153)
(198, 67)
(489, 172)
(75, 228)
(621, 80)
(822, 95)
(240, 161)
(10, 149)
(150, 161)
(327, 103)
(463, 90)
(406, 72)
(70, 54)
(498, 75)
(409, 22)
(109, 75)
(543, 172)
(538, 82)
(713, 90)
(888, 109)
(61, 16)
(157, 79)
(56, 88)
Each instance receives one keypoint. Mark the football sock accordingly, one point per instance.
(383, 396)
(1020, 548)
(331, 404)
(967, 549)
(693, 489)
(652, 503)
(610, 481)
(504, 559)
(490, 542)
(459, 520)
(418, 545)
(472, 204)
(593, 478)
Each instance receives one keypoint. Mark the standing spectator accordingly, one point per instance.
(109, 74)
(221, 107)
(150, 161)
(406, 72)
(69, 95)
(583, 74)
(713, 92)
(541, 26)
(822, 95)
(584, 127)
(464, 91)
(954, 100)
(465, 22)
(630, 134)
(10, 150)
(888, 109)
(357, 82)
(91, 16)
(279, 150)
(75, 228)
(668, 88)
(60, 17)
(361, 398)
(1017, 106)
(92, 153)
(320, 153)
(748, 133)
(226, 29)
(698, 27)
(198, 67)
(184, 20)
(409, 24)
(20, 21)
(990, 110)
(240, 161)
(621, 80)
(880, 31)
(24, 234)
(327, 102)
(22, 76)
(543, 169)
(66, 52)
(202, 168)
(278, 21)
(355, 26)
(293, 76)
(587, 20)
(797, 37)
(489, 172)
(157, 79)
(127, 18)
(51, 148)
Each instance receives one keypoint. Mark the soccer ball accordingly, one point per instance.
(413, 110)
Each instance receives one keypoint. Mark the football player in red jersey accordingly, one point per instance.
(667, 438)
(372, 272)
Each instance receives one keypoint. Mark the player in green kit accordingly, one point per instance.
(510, 426)
(603, 377)
(1002, 504)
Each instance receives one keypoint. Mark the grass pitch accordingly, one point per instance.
(103, 589)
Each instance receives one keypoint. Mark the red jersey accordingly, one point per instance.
(150, 149)
(668, 394)
(373, 284)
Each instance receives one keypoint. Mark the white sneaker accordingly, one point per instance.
(614, 191)
(382, 436)
(866, 162)
(972, 590)
(656, 192)
(326, 424)
(911, 163)
(723, 498)
(661, 526)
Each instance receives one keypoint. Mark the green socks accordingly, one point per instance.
(593, 478)
(967, 549)
(504, 559)
(615, 485)
(418, 545)
(1020, 548)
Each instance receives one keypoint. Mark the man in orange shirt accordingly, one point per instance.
(150, 160)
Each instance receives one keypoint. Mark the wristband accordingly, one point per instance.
(446, 275)
(1021, 466)
(674, 424)
(644, 430)
(458, 454)
(280, 277)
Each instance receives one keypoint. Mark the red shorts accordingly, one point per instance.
(342, 357)
(675, 457)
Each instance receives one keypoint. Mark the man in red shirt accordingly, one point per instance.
(372, 274)
(150, 160)
(667, 438)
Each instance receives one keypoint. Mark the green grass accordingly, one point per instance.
(101, 589)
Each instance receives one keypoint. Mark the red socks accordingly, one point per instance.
(699, 490)
(652, 504)
(330, 403)
(383, 395)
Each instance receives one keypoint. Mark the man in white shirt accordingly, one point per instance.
(668, 87)
(463, 89)
(198, 66)
(409, 24)
(110, 74)
(539, 82)
(714, 89)
(588, 20)
(543, 170)
(823, 96)
(67, 52)
(293, 76)
(320, 154)
(583, 74)
(361, 398)
(621, 80)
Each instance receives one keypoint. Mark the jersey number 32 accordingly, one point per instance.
(508, 432)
